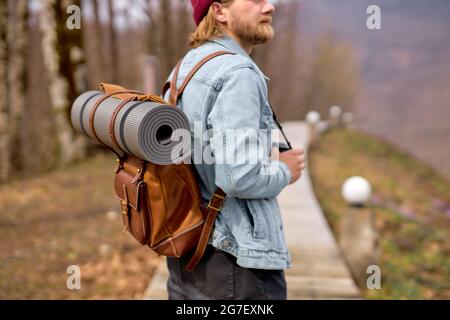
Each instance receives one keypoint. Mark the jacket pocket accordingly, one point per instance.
(258, 224)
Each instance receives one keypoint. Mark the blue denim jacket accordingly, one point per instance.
(230, 92)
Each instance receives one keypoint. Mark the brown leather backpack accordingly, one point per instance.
(161, 204)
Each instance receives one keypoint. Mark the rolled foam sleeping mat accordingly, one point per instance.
(141, 128)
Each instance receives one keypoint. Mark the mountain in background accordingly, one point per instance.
(405, 69)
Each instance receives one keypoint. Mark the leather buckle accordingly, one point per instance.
(214, 208)
(124, 207)
(124, 202)
(215, 195)
(210, 205)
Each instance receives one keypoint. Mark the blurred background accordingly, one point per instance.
(57, 205)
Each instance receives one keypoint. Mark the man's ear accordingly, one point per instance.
(219, 12)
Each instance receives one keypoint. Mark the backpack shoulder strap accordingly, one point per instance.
(173, 85)
(212, 210)
(176, 94)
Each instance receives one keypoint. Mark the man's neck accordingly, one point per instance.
(246, 46)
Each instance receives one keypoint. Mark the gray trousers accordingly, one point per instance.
(217, 276)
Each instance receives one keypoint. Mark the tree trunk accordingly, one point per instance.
(165, 40)
(184, 27)
(152, 36)
(61, 88)
(97, 18)
(17, 39)
(5, 160)
(100, 63)
(113, 42)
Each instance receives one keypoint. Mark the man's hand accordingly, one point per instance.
(295, 160)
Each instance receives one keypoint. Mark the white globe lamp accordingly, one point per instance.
(356, 191)
(335, 111)
(313, 117)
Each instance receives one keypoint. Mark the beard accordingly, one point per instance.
(253, 34)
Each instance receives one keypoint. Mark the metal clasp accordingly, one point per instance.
(124, 206)
(119, 165)
(211, 201)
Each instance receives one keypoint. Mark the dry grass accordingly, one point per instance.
(412, 205)
(69, 217)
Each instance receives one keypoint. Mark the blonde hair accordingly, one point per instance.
(208, 27)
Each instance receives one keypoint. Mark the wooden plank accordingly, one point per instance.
(321, 288)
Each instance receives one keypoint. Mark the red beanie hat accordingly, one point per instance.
(200, 8)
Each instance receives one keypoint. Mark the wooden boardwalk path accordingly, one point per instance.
(318, 269)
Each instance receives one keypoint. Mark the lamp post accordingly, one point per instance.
(347, 119)
(312, 120)
(357, 233)
(335, 114)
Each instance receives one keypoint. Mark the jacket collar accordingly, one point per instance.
(229, 43)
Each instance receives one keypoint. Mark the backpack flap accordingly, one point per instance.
(132, 193)
(126, 190)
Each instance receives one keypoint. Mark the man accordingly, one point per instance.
(247, 252)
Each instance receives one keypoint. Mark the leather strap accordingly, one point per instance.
(198, 66)
(176, 94)
(165, 87)
(218, 197)
(93, 111)
(214, 207)
(112, 122)
(173, 85)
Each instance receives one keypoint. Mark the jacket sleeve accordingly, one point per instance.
(243, 168)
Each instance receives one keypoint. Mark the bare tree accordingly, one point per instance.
(170, 23)
(184, 26)
(113, 42)
(100, 63)
(165, 33)
(56, 46)
(151, 39)
(97, 20)
(333, 76)
(17, 41)
(156, 45)
(5, 164)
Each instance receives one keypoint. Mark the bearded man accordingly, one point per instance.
(247, 253)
